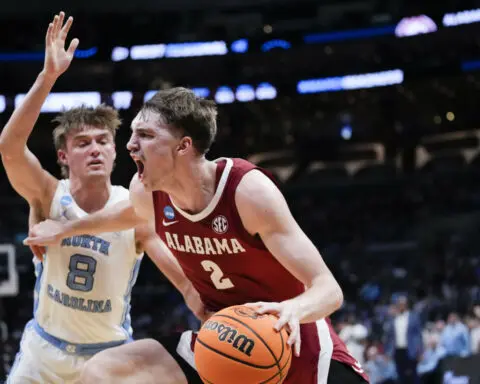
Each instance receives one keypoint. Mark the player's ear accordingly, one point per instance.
(62, 157)
(185, 145)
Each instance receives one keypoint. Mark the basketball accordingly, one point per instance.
(238, 346)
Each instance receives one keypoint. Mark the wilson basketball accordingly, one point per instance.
(238, 346)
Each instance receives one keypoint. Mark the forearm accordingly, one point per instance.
(118, 217)
(320, 300)
(15, 134)
(168, 265)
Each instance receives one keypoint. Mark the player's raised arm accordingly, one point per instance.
(264, 211)
(23, 169)
(118, 217)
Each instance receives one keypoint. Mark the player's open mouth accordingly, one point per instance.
(140, 168)
(95, 162)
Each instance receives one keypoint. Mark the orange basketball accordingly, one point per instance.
(238, 346)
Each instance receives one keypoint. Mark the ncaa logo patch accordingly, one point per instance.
(220, 224)
(66, 200)
(168, 212)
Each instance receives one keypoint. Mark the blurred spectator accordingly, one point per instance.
(455, 338)
(354, 335)
(404, 341)
(434, 352)
(380, 368)
(474, 327)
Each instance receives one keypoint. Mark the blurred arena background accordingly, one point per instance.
(367, 111)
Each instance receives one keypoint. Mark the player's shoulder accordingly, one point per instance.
(255, 186)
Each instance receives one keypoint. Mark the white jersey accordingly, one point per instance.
(82, 293)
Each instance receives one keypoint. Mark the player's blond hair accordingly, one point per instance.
(76, 119)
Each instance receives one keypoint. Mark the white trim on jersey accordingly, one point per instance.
(326, 351)
(216, 198)
(184, 348)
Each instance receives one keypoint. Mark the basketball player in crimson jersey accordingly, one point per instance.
(230, 228)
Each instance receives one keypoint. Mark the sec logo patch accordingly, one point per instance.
(220, 224)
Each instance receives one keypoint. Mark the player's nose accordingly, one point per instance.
(132, 145)
(95, 148)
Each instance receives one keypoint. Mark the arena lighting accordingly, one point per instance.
(245, 93)
(415, 25)
(174, 50)
(3, 103)
(57, 102)
(199, 91)
(463, 17)
(276, 43)
(147, 52)
(350, 82)
(224, 95)
(266, 91)
(346, 132)
(39, 56)
(239, 46)
(210, 48)
(471, 65)
(122, 99)
(148, 95)
(120, 53)
(317, 38)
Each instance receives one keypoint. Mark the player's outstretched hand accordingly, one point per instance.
(57, 59)
(48, 232)
(288, 314)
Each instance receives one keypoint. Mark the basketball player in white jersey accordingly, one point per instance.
(82, 293)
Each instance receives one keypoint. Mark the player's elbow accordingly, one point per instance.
(337, 295)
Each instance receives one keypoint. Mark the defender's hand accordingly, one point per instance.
(57, 59)
(288, 314)
(46, 233)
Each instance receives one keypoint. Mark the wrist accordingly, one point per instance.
(68, 230)
(47, 78)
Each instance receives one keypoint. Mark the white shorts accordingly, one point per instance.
(40, 362)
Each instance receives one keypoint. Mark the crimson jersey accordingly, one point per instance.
(229, 266)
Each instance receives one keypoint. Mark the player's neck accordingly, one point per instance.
(90, 196)
(195, 185)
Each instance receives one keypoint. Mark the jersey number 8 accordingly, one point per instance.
(82, 269)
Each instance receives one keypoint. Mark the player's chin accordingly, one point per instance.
(97, 173)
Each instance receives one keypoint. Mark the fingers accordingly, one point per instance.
(261, 308)
(37, 241)
(73, 46)
(38, 251)
(66, 28)
(49, 35)
(55, 26)
(294, 339)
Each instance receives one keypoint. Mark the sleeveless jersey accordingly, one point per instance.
(228, 266)
(82, 293)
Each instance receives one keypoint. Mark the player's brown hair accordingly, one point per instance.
(187, 113)
(76, 119)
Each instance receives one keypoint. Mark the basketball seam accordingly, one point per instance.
(277, 362)
(234, 358)
(278, 373)
(204, 379)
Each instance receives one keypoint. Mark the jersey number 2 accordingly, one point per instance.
(82, 269)
(218, 280)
